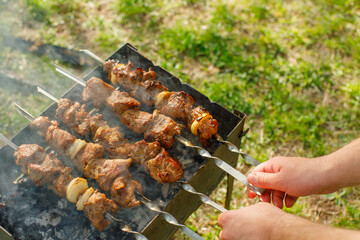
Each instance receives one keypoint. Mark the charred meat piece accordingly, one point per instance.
(60, 183)
(95, 123)
(137, 121)
(205, 127)
(178, 106)
(96, 91)
(109, 65)
(29, 154)
(162, 129)
(59, 140)
(96, 207)
(41, 125)
(44, 173)
(74, 115)
(86, 154)
(163, 168)
(143, 151)
(123, 192)
(119, 102)
(147, 91)
(105, 171)
(113, 141)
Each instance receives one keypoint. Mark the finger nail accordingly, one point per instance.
(252, 178)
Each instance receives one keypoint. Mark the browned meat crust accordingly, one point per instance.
(208, 127)
(178, 106)
(147, 91)
(123, 192)
(96, 207)
(27, 154)
(119, 102)
(162, 129)
(86, 154)
(163, 168)
(59, 140)
(41, 125)
(137, 121)
(143, 151)
(96, 92)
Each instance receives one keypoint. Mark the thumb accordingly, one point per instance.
(263, 180)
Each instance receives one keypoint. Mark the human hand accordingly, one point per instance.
(287, 178)
(259, 221)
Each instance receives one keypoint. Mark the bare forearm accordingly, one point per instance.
(343, 166)
(301, 229)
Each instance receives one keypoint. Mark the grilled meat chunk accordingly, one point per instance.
(59, 140)
(162, 129)
(60, 183)
(41, 125)
(123, 192)
(119, 102)
(96, 207)
(207, 126)
(137, 121)
(143, 151)
(113, 141)
(74, 115)
(44, 173)
(86, 154)
(147, 91)
(177, 106)
(96, 91)
(29, 154)
(163, 168)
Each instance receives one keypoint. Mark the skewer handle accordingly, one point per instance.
(69, 75)
(8, 142)
(40, 90)
(92, 55)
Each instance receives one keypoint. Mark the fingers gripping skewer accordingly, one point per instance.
(221, 164)
(168, 217)
(201, 151)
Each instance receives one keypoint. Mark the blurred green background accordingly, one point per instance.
(291, 66)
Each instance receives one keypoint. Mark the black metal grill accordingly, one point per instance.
(29, 212)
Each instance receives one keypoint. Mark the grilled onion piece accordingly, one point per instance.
(76, 187)
(195, 125)
(161, 98)
(113, 77)
(83, 198)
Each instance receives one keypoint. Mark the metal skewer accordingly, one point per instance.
(228, 144)
(168, 217)
(204, 198)
(201, 151)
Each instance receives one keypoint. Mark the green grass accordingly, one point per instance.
(291, 66)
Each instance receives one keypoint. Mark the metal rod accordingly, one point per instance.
(40, 90)
(8, 142)
(235, 149)
(25, 113)
(205, 199)
(69, 75)
(92, 55)
(168, 217)
(221, 164)
(125, 227)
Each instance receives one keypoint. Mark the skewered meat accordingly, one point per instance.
(117, 146)
(162, 129)
(47, 170)
(96, 207)
(83, 154)
(177, 105)
(163, 168)
(119, 102)
(123, 191)
(97, 92)
(137, 121)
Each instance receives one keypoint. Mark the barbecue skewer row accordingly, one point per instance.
(155, 159)
(97, 92)
(187, 187)
(177, 105)
(45, 169)
(112, 175)
(136, 188)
